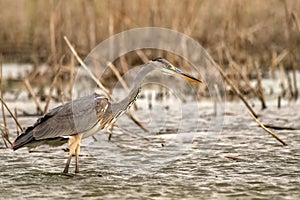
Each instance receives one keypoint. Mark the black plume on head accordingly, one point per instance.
(163, 61)
(159, 59)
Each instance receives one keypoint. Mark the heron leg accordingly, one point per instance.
(67, 165)
(109, 130)
(74, 143)
(77, 156)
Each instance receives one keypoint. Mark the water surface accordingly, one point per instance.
(241, 162)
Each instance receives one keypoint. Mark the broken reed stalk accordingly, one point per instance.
(250, 110)
(282, 79)
(118, 75)
(267, 130)
(16, 116)
(72, 72)
(276, 60)
(137, 122)
(218, 99)
(28, 86)
(291, 56)
(52, 29)
(260, 88)
(51, 88)
(11, 114)
(6, 131)
(235, 89)
(100, 84)
(86, 68)
(235, 67)
(259, 92)
(131, 132)
(296, 21)
(281, 127)
(142, 56)
(290, 88)
(124, 64)
(296, 91)
(234, 158)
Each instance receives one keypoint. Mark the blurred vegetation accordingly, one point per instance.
(248, 39)
(243, 31)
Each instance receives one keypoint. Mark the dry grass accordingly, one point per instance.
(244, 37)
(240, 35)
(246, 30)
(236, 33)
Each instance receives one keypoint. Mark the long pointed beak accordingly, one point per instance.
(187, 76)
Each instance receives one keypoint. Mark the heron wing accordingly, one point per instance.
(72, 118)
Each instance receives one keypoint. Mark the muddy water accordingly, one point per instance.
(240, 162)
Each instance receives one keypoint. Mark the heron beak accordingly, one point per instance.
(186, 76)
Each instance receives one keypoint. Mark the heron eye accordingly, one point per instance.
(171, 67)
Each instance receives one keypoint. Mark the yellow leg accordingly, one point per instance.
(109, 130)
(77, 156)
(67, 165)
(74, 146)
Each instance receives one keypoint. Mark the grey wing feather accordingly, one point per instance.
(72, 118)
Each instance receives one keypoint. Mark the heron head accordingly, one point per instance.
(171, 69)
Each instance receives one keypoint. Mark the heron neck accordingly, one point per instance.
(125, 103)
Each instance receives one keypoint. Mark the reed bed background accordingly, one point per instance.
(248, 39)
(243, 31)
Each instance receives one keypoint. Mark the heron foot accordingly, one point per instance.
(66, 170)
(65, 173)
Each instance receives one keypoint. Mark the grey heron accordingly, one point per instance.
(83, 117)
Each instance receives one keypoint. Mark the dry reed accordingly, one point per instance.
(86, 68)
(5, 133)
(266, 129)
(236, 90)
(235, 33)
(57, 73)
(250, 110)
(18, 129)
(11, 114)
(260, 91)
(32, 93)
(242, 26)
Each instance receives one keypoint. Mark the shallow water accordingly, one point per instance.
(240, 162)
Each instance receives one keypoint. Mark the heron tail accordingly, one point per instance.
(23, 139)
(27, 139)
